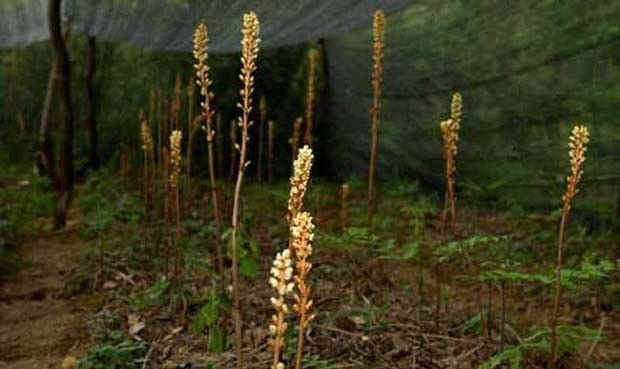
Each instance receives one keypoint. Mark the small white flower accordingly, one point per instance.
(273, 282)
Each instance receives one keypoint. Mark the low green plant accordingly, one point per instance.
(208, 317)
(159, 294)
(124, 355)
(22, 203)
(247, 252)
(539, 343)
(106, 202)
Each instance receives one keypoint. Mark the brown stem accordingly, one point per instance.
(300, 334)
(177, 236)
(191, 129)
(247, 91)
(261, 139)
(278, 340)
(371, 168)
(219, 146)
(558, 287)
(503, 323)
(270, 152)
(233, 149)
(145, 189)
(216, 216)
(166, 210)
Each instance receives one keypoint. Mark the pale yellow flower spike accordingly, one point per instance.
(175, 158)
(280, 280)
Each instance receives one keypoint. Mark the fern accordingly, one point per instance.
(569, 339)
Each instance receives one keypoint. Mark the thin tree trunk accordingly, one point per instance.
(45, 157)
(91, 123)
(65, 176)
(46, 162)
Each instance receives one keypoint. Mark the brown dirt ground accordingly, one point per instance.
(39, 323)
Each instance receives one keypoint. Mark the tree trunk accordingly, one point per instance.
(45, 156)
(91, 123)
(65, 172)
(45, 159)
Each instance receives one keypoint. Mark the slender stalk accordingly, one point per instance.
(310, 95)
(270, 138)
(201, 39)
(503, 321)
(249, 53)
(175, 106)
(219, 146)
(147, 148)
(578, 141)
(233, 149)
(295, 137)
(344, 210)
(165, 169)
(377, 81)
(192, 127)
(262, 107)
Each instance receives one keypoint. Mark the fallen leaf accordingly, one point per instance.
(135, 324)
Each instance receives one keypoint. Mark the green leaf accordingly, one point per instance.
(217, 341)
(248, 267)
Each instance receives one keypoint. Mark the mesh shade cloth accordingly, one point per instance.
(528, 71)
(168, 25)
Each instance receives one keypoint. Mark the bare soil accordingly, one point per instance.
(40, 324)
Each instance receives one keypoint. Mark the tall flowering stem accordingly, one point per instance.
(378, 55)
(280, 280)
(344, 210)
(175, 106)
(450, 135)
(303, 235)
(262, 107)
(148, 148)
(175, 171)
(295, 136)
(310, 95)
(270, 142)
(249, 54)
(219, 145)
(578, 141)
(193, 123)
(233, 148)
(201, 39)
